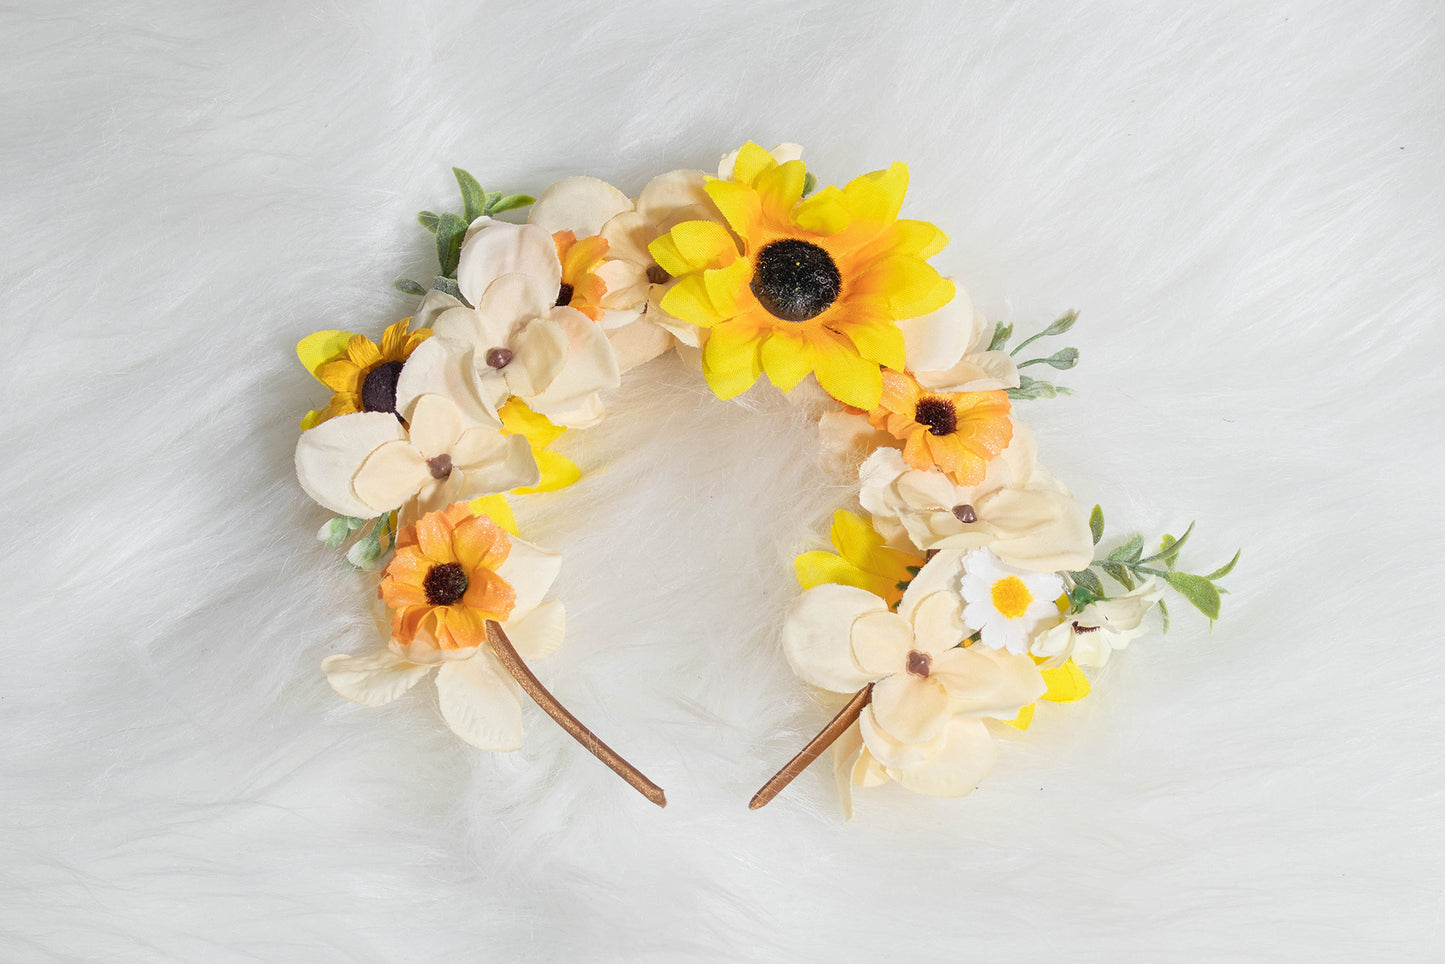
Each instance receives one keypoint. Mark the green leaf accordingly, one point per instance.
(1063, 359)
(1096, 523)
(1062, 324)
(1118, 573)
(1001, 334)
(1225, 569)
(1164, 612)
(1087, 579)
(364, 553)
(1129, 551)
(1199, 591)
(353, 522)
(1169, 548)
(429, 220)
(810, 183)
(450, 231)
(334, 532)
(1079, 598)
(510, 202)
(408, 287)
(1034, 388)
(447, 285)
(474, 199)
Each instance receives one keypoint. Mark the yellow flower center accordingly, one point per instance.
(1011, 597)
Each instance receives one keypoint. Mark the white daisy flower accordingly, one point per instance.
(1007, 605)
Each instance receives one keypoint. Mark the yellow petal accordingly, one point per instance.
(1066, 683)
(787, 358)
(496, 508)
(824, 213)
(818, 567)
(780, 188)
(558, 472)
(921, 239)
(731, 359)
(849, 378)
(688, 300)
(740, 205)
(310, 420)
(878, 197)
(879, 341)
(322, 346)
(393, 340)
(725, 284)
(692, 246)
(1025, 717)
(752, 160)
(518, 419)
(907, 286)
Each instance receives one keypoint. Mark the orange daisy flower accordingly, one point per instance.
(363, 374)
(957, 432)
(581, 287)
(443, 582)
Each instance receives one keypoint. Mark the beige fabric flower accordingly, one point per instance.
(1100, 629)
(478, 698)
(923, 725)
(1019, 510)
(369, 463)
(948, 350)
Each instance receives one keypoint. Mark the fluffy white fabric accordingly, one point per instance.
(1244, 200)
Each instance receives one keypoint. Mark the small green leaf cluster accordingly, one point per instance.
(1061, 360)
(1128, 566)
(451, 229)
(365, 552)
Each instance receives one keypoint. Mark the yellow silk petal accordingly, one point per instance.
(518, 419)
(881, 342)
(824, 213)
(1066, 683)
(495, 507)
(818, 567)
(731, 358)
(1025, 717)
(310, 420)
(689, 301)
(849, 378)
(878, 197)
(724, 285)
(739, 204)
(922, 239)
(780, 188)
(697, 245)
(787, 358)
(558, 472)
(753, 159)
(320, 347)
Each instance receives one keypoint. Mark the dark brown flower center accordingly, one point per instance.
(564, 295)
(1085, 629)
(965, 514)
(938, 414)
(919, 663)
(440, 467)
(657, 274)
(445, 583)
(378, 389)
(499, 358)
(795, 280)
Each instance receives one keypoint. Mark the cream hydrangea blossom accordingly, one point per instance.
(516, 341)
(1019, 510)
(923, 724)
(1005, 605)
(1099, 629)
(478, 698)
(369, 463)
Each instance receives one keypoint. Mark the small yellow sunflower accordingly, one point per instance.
(813, 285)
(361, 374)
(955, 432)
(582, 288)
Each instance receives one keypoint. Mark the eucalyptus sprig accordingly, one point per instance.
(1061, 360)
(365, 551)
(451, 230)
(1128, 566)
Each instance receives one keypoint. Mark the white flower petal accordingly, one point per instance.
(910, 709)
(392, 474)
(531, 570)
(578, 204)
(435, 423)
(538, 634)
(938, 622)
(497, 248)
(638, 343)
(672, 192)
(1018, 683)
(433, 303)
(442, 366)
(938, 340)
(481, 703)
(329, 455)
(939, 574)
(590, 368)
(541, 350)
(966, 757)
(514, 467)
(880, 642)
(817, 631)
(895, 754)
(373, 679)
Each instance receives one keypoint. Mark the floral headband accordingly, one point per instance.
(969, 591)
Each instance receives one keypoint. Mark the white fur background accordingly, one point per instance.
(1243, 199)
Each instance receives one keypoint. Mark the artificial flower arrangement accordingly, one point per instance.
(968, 593)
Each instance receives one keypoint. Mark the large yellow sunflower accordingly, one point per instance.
(360, 373)
(802, 286)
